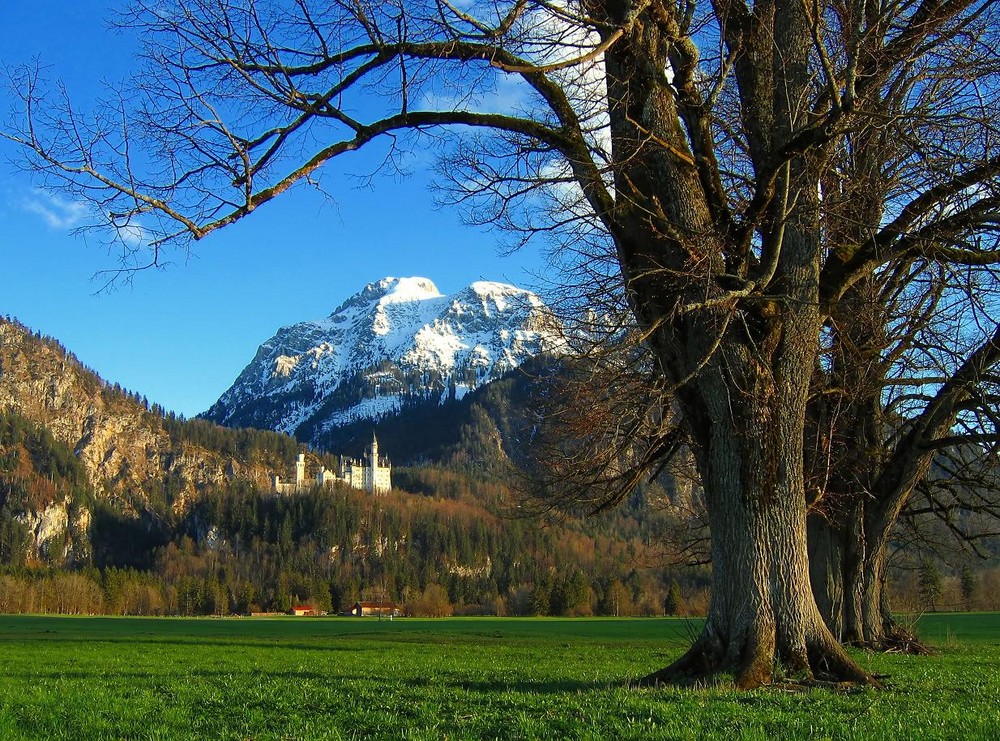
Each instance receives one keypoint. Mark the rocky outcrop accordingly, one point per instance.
(125, 448)
(59, 533)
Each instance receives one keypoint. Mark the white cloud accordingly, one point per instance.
(509, 95)
(65, 214)
(57, 212)
(132, 234)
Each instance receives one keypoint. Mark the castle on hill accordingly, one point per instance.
(371, 473)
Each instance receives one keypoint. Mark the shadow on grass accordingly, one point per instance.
(151, 679)
(523, 686)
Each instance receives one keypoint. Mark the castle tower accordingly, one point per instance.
(300, 470)
(377, 472)
(374, 461)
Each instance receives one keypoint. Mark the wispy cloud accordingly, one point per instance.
(509, 95)
(132, 234)
(57, 212)
(65, 214)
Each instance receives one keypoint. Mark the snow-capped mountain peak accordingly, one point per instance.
(397, 339)
(401, 290)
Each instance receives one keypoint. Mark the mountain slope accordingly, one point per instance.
(485, 430)
(178, 518)
(396, 342)
(140, 466)
(121, 444)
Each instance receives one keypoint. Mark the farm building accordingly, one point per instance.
(376, 609)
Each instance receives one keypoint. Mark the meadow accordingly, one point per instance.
(508, 678)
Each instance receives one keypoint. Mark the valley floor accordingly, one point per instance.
(510, 678)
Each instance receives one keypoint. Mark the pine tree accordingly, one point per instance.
(967, 585)
(930, 585)
(673, 601)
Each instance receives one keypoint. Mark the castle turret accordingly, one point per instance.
(369, 473)
(300, 470)
(377, 475)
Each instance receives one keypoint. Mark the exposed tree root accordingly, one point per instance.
(824, 666)
(894, 639)
(699, 665)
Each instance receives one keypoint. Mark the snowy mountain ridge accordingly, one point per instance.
(397, 340)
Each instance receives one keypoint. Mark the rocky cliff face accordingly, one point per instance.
(398, 340)
(120, 443)
(59, 533)
(124, 448)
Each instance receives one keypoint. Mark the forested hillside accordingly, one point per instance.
(107, 504)
(451, 546)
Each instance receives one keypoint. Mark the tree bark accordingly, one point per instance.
(763, 622)
(847, 568)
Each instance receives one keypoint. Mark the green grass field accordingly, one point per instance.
(292, 678)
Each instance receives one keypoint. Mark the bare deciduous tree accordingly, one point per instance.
(689, 147)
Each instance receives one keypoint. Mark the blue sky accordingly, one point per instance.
(181, 335)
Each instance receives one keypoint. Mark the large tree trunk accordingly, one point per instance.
(874, 626)
(828, 572)
(847, 567)
(763, 619)
(763, 623)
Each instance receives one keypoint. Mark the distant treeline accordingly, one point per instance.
(241, 551)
